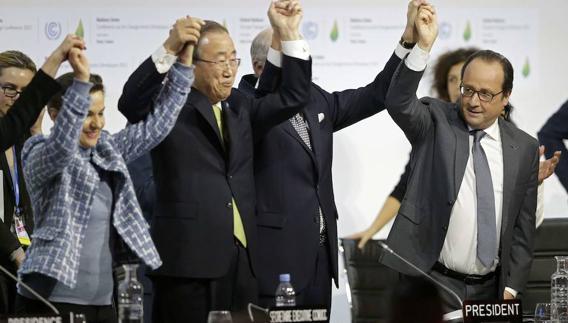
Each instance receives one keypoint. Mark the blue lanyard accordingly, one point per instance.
(15, 181)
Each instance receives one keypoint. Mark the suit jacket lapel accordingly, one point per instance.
(205, 108)
(289, 129)
(510, 170)
(462, 151)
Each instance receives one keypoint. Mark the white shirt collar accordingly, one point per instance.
(492, 131)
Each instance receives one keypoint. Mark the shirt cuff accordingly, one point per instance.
(274, 57)
(296, 48)
(417, 59)
(401, 52)
(511, 291)
(163, 60)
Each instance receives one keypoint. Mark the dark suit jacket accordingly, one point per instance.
(13, 128)
(440, 149)
(552, 136)
(292, 181)
(196, 177)
(247, 84)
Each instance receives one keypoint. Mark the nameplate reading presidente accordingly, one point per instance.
(492, 311)
(31, 319)
(297, 314)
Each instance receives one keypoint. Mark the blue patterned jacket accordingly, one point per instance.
(62, 180)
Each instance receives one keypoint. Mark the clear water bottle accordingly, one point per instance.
(130, 297)
(559, 290)
(285, 294)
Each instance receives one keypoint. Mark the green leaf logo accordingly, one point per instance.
(225, 24)
(334, 32)
(467, 32)
(526, 68)
(80, 31)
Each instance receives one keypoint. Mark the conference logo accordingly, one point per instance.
(445, 30)
(310, 30)
(467, 32)
(526, 71)
(52, 30)
(334, 35)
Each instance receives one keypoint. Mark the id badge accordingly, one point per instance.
(21, 233)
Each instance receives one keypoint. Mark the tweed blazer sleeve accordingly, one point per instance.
(45, 157)
(136, 139)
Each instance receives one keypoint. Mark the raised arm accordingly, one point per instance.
(45, 157)
(411, 114)
(138, 138)
(293, 93)
(29, 105)
(144, 84)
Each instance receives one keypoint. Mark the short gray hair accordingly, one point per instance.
(260, 45)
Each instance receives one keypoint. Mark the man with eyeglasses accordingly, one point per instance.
(16, 72)
(204, 224)
(468, 216)
(297, 215)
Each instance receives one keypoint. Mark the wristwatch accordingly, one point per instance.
(405, 44)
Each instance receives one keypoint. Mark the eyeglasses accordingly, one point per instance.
(10, 91)
(232, 63)
(483, 95)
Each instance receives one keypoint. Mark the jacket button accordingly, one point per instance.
(230, 176)
(229, 205)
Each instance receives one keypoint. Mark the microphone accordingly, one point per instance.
(264, 313)
(432, 279)
(29, 289)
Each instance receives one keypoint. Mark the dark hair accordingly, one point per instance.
(210, 26)
(65, 82)
(508, 73)
(443, 66)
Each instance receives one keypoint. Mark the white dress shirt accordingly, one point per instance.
(459, 252)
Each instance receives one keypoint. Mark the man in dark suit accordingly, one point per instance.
(552, 136)
(293, 171)
(468, 215)
(204, 222)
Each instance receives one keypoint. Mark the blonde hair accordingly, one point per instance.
(14, 58)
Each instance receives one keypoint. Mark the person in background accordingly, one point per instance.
(16, 73)
(552, 136)
(258, 51)
(86, 213)
(447, 80)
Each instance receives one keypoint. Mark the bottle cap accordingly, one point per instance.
(285, 278)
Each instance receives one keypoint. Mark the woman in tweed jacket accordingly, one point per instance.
(82, 193)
